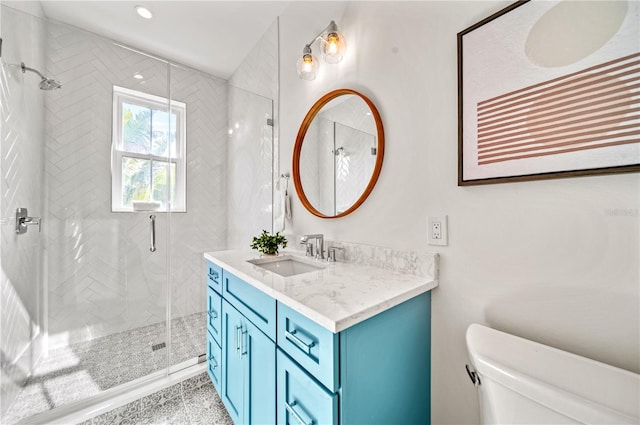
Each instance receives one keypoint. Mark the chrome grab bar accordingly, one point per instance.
(152, 217)
(295, 414)
(291, 336)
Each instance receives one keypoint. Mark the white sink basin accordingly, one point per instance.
(285, 265)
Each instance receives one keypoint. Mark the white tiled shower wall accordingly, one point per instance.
(22, 186)
(253, 98)
(102, 276)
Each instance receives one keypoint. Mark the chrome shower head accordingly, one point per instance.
(45, 83)
(49, 84)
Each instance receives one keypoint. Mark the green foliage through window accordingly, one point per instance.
(148, 149)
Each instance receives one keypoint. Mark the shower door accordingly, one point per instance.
(84, 297)
(202, 225)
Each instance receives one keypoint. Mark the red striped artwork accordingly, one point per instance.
(593, 108)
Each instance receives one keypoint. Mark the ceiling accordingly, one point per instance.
(212, 36)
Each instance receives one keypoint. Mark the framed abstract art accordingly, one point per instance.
(549, 89)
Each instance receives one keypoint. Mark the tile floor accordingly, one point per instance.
(191, 402)
(81, 370)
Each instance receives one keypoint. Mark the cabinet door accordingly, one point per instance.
(259, 353)
(233, 370)
(248, 370)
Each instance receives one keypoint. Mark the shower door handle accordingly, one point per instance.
(152, 217)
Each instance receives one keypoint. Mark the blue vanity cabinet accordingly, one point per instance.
(374, 372)
(241, 349)
(271, 364)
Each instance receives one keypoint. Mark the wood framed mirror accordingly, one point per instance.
(338, 153)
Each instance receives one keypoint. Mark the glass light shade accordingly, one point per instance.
(333, 47)
(307, 67)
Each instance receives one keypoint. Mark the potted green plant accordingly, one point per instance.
(268, 244)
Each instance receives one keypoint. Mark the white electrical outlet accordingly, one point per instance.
(437, 230)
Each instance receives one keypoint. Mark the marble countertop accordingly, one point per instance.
(336, 297)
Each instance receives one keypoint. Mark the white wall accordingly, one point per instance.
(555, 261)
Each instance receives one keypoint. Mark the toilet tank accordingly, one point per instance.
(524, 382)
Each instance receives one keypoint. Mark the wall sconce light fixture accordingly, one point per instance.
(332, 46)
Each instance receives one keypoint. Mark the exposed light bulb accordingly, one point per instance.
(333, 45)
(307, 65)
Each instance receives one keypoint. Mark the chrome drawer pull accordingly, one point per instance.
(213, 314)
(213, 276)
(295, 414)
(291, 336)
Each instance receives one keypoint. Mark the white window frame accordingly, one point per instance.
(123, 95)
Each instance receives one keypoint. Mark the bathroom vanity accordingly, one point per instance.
(328, 343)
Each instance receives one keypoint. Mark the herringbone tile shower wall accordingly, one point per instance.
(21, 106)
(102, 276)
(253, 144)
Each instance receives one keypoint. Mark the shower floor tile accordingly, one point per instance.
(84, 369)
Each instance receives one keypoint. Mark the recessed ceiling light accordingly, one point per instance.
(138, 76)
(144, 12)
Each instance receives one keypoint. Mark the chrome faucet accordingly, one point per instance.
(319, 245)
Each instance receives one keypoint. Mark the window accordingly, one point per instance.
(148, 151)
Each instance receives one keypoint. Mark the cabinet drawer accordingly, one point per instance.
(300, 399)
(214, 276)
(311, 345)
(214, 357)
(214, 314)
(254, 304)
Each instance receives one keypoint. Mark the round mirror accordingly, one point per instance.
(338, 153)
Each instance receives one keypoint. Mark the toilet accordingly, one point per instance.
(524, 382)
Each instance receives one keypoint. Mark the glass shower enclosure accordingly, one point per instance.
(122, 172)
